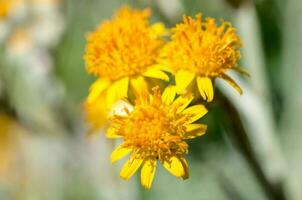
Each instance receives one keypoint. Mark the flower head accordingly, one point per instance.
(125, 46)
(156, 129)
(5, 6)
(122, 52)
(201, 50)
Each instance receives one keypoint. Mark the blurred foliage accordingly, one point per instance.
(271, 23)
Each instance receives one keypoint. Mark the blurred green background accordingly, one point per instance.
(251, 151)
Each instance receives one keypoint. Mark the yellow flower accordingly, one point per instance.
(156, 129)
(202, 51)
(5, 6)
(8, 7)
(122, 52)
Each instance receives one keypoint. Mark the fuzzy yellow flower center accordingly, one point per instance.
(154, 130)
(123, 46)
(203, 47)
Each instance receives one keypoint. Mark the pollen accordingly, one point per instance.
(203, 47)
(123, 46)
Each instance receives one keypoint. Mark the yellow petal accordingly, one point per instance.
(119, 153)
(169, 94)
(177, 167)
(122, 87)
(130, 167)
(97, 88)
(205, 87)
(96, 114)
(159, 29)
(111, 96)
(232, 83)
(111, 133)
(195, 112)
(182, 79)
(147, 173)
(195, 130)
(162, 67)
(138, 85)
(156, 73)
(241, 71)
(117, 91)
(182, 102)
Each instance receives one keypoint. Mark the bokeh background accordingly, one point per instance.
(252, 150)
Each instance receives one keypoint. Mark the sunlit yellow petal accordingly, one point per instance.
(182, 102)
(159, 29)
(155, 73)
(195, 130)
(111, 133)
(111, 96)
(182, 79)
(232, 83)
(119, 153)
(162, 67)
(117, 91)
(122, 87)
(195, 112)
(205, 87)
(130, 167)
(147, 173)
(169, 94)
(97, 88)
(138, 85)
(96, 113)
(177, 167)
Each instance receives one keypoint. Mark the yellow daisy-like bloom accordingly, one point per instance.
(202, 51)
(156, 129)
(122, 52)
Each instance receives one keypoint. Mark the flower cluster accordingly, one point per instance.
(132, 61)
